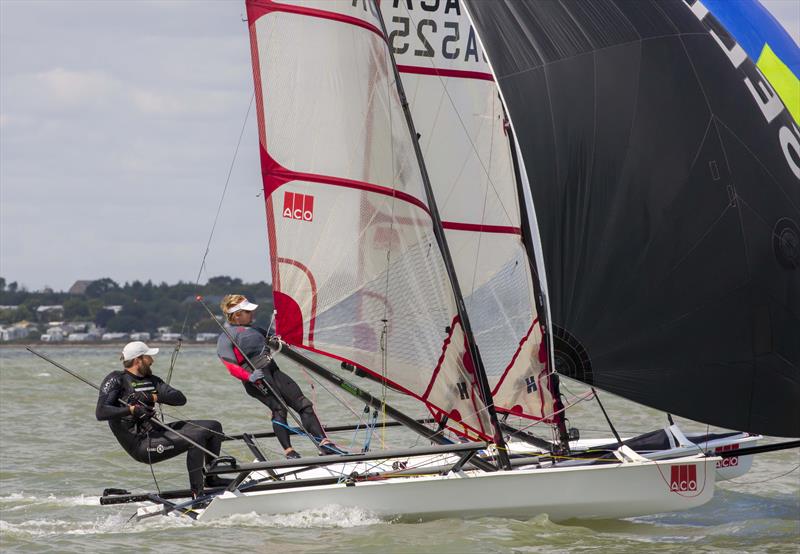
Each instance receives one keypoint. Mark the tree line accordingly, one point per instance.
(145, 306)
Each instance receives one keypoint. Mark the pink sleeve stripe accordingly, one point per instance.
(258, 8)
(237, 371)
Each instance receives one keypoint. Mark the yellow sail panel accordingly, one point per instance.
(785, 83)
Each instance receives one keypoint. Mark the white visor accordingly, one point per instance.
(137, 348)
(245, 305)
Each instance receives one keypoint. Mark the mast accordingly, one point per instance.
(438, 230)
(527, 241)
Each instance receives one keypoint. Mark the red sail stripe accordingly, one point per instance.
(480, 228)
(514, 357)
(275, 175)
(259, 8)
(262, 140)
(313, 283)
(442, 356)
(432, 407)
(458, 73)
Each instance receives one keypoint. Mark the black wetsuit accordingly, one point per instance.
(253, 341)
(147, 442)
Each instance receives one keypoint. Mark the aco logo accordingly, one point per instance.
(298, 206)
(727, 462)
(683, 478)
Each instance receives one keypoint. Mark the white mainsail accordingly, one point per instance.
(357, 273)
(464, 139)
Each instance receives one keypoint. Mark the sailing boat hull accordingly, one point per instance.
(728, 468)
(594, 492)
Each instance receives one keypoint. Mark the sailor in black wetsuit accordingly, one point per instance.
(145, 441)
(253, 342)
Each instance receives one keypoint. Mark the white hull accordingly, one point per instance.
(598, 492)
(728, 468)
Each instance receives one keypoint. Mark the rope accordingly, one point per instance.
(224, 190)
(211, 234)
(193, 424)
(297, 431)
(370, 431)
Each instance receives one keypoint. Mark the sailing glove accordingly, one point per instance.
(143, 413)
(257, 375)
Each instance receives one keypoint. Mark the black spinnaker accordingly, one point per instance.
(665, 174)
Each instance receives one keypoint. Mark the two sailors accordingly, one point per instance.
(128, 398)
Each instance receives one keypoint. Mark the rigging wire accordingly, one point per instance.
(225, 189)
(150, 463)
(200, 270)
(463, 126)
(390, 89)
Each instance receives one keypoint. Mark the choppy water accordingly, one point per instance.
(55, 459)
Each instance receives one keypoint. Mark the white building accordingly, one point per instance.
(56, 334)
(114, 336)
(14, 332)
(170, 337)
(77, 326)
(206, 337)
(51, 310)
(140, 336)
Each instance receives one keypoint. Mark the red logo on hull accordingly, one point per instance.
(727, 462)
(298, 206)
(683, 478)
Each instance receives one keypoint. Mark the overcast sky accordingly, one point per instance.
(118, 124)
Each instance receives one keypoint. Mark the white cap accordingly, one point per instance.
(135, 349)
(245, 305)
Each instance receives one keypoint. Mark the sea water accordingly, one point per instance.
(55, 460)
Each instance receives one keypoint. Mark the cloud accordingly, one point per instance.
(64, 93)
(76, 89)
(151, 102)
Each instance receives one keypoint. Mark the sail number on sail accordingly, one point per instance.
(423, 29)
(452, 44)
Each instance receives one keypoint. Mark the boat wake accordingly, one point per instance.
(328, 517)
(48, 527)
(19, 501)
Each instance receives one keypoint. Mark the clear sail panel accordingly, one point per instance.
(357, 273)
(463, 134)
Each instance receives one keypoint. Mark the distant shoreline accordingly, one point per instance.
(98, 344)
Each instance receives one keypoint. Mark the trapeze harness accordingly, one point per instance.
(143, 440)
(253, 341)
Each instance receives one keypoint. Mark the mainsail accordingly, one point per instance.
(464, 138)
(356, 270)
(665, 171)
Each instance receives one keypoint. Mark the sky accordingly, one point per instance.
(118, 126)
